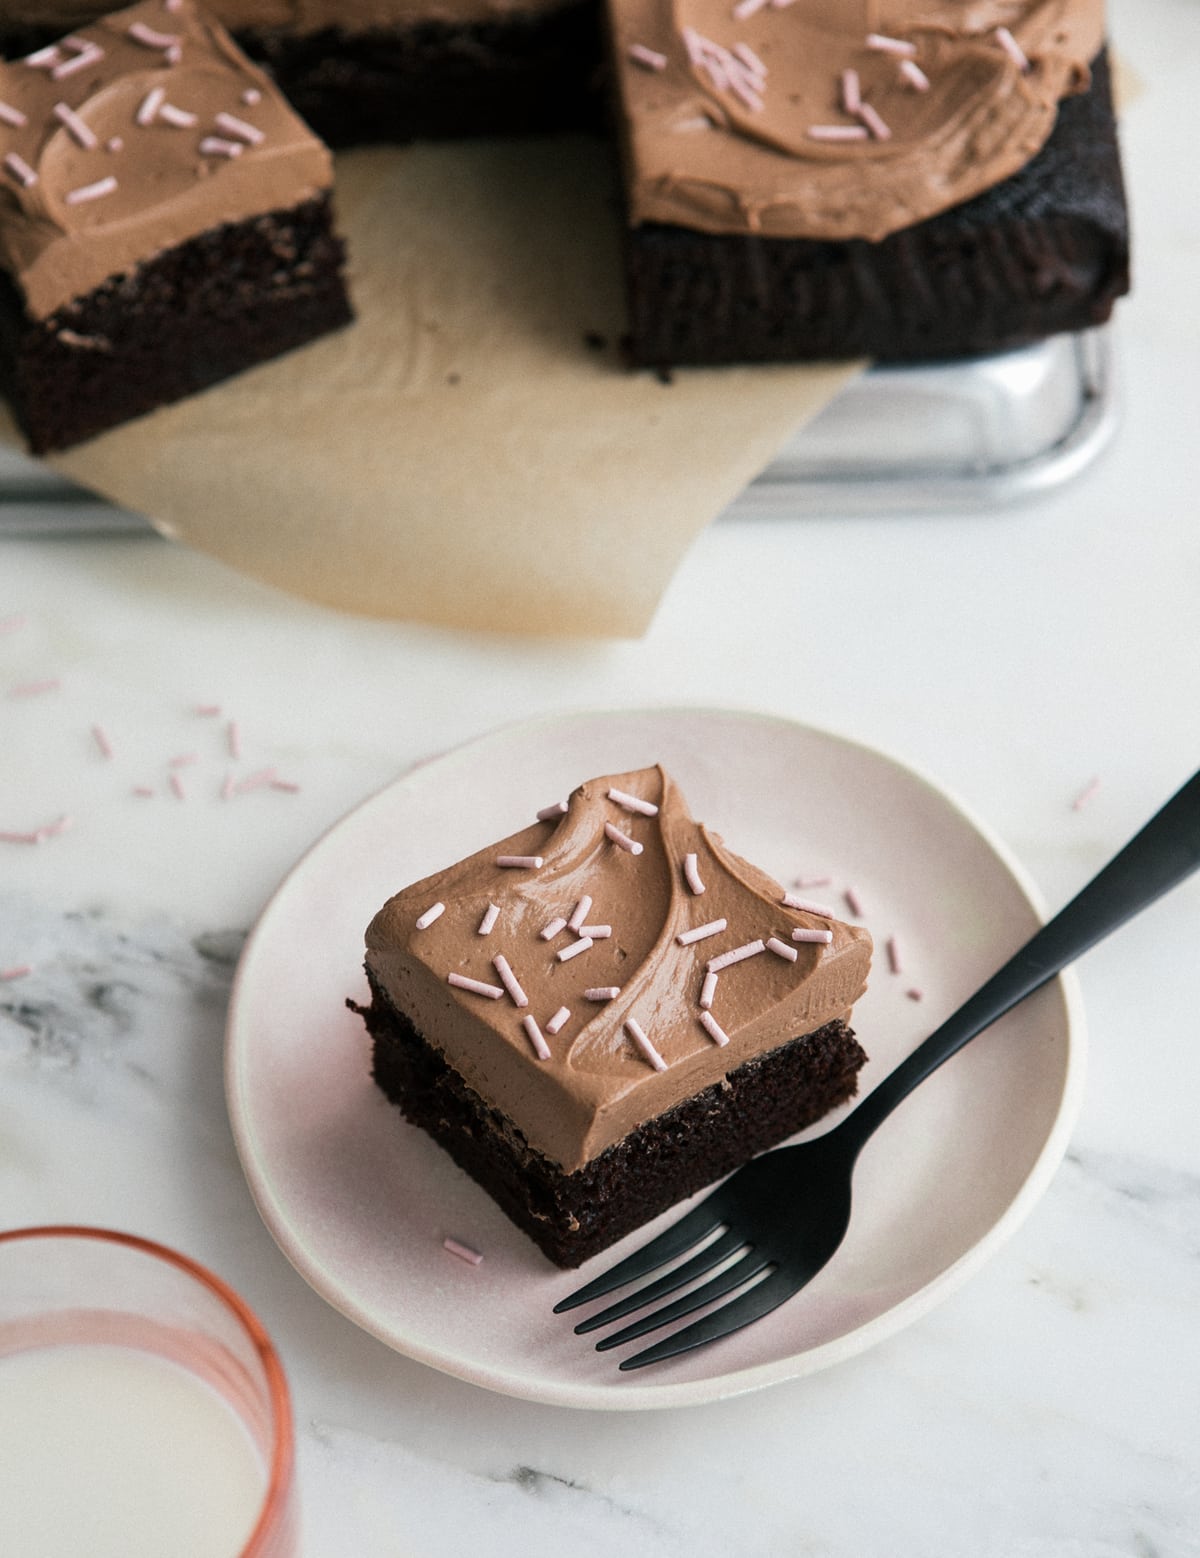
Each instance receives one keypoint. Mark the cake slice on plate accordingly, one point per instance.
(608, 1010)
(165, 222)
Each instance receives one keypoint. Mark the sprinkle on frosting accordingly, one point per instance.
(84, 193)
(790, 901)
(463, 1251)
(602, 993)
(633, 803)
(239, 129)
(580, 913)
(520, 862)
(874, 122)
(549, 813)
(490, 915)
(638, 1034)
(509, 980)
(691, 874)
(78, 129)
(12, 116)
(708, 989)
(803, 933)
(838, 132)
(550, 930)
(882, 44)
(475, 986)
(540, 1048)
(20, 170)
(713, 1028)
(574, 949)
(1012, 48)
(560, 1019)
(622, 840)
(781, 949)
(596, 932)
(914, 75)
(649, 59)
(218, 146)
(685, 938)
(434, 912)
(737, 955)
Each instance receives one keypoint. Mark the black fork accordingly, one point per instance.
(785, 1213)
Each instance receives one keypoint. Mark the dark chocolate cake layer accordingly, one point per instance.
(238, 295)
(571, 1217)
(1045, 251)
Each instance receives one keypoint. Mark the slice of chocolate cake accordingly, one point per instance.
(608, 1010)
(165, 222)
(801, 187)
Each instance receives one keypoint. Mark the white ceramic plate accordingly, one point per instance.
(360, 1201)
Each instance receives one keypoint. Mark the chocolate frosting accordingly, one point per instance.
(742, 158)
(115, 147)
(597, 1084)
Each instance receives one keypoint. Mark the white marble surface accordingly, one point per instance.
(1048, 1409)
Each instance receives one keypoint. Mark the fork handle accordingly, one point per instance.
(1156, 859)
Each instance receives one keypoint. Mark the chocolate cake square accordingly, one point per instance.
(608, 1010)
(165, 222)
(800, 189)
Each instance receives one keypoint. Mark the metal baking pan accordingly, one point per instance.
(957, 436)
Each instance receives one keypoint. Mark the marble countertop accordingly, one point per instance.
(1048, 1408)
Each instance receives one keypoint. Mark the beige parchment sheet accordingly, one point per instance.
(461, 455)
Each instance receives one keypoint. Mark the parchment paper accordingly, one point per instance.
(462, 455)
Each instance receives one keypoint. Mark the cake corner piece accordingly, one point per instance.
(607, 1010)
(166, 221)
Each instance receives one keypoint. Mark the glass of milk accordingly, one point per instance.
(143, 1409)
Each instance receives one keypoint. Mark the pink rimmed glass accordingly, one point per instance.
(75, 1287)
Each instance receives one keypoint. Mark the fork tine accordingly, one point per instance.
(738, 1312)
(724, 1282)
(673, 1241)
(711, 1255)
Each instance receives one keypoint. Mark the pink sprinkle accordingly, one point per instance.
(622, 840)
(12, 116)
(487, 924)
(738, 955)
(685, 938)
(561, 1017)
(233, 737)
(651, 59)
(176, 784)
(837, 132)
(251, 96)
(140, 33)
(580, 913)
(602, 993)
(255, 781)
(635, 1031)
(790, 901)
(885, 45)
(520, 862)
(207, 710)
(812, 881)
(802, 933)
(289, 786)
(463, 1251)
(746, 9)
(854, 902)
(744, 92)
(1012, 48)
(596, 932)
(915, 995)
(708, 990)
(78, 129)
(549, 931)
(434, 912)
(143, 790)
(11, 624)
(184, 760)
(1088, 793)
(32, 689)
(475, 986)
(238, 128)
(540, 1048)
(53, 829)
(509, 980)
(914, 75)
(20, 838)
(149, 106)
(851, 91)
(114, 143)
(548, 813)
(874, 122)
(633, 803)
(751, 60)
(781, 949)
(228, 788)
(179, 118)
(893, 955)
(574, 949)
(43, 57)
(86, 54)
(19, 972)
(691, 874)
(88, 192)
(713, 1028)
(100, 736)
(215, 146)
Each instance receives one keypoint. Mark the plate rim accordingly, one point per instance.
(623, 1394)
